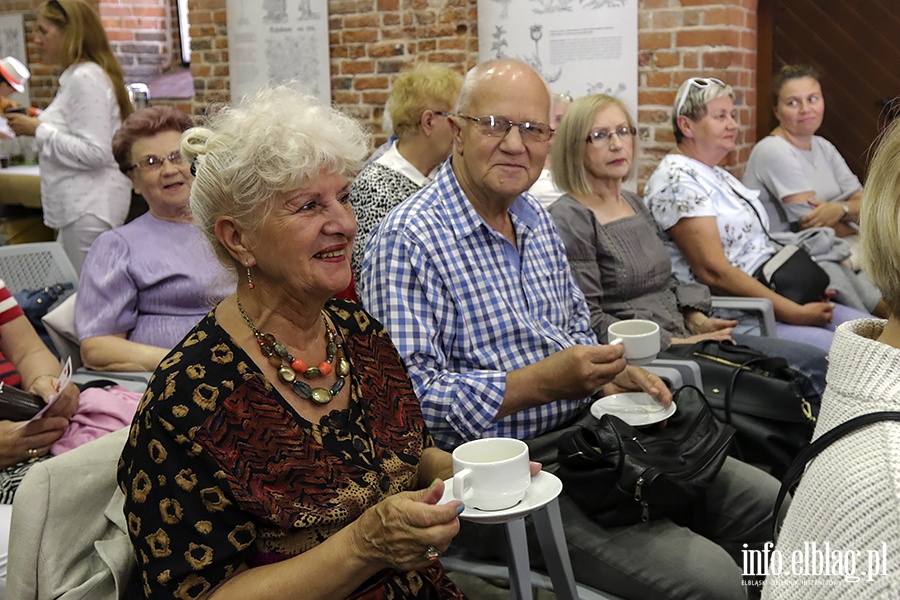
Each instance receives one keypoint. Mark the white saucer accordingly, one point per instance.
(635, 408)
(544, 488)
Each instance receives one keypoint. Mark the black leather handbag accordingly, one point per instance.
(757, 394)
(793, 273)
(620, 475)
(18, 405)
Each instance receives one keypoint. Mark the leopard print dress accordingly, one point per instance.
(219, 471)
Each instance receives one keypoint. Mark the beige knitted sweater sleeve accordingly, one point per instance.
(841, 536)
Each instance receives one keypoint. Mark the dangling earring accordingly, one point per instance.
(250, 279)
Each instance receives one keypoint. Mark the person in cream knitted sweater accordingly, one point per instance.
(841, 535)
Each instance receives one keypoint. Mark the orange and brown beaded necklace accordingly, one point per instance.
(289, 366)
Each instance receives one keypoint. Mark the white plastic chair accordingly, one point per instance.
(32, 266)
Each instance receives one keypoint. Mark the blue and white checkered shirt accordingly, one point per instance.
(464, 306)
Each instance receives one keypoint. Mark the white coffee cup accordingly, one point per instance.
(639, 338)
(491, 473)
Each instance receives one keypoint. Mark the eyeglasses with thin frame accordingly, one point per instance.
(700, 82)
(155, 163)
(494, 126)
(604, 135)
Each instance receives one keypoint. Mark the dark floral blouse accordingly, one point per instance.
(220, 471)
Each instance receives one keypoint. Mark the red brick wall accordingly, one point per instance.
(209, 53)
(175, 46)
(686, 38)
(141, 35)
(373, 39)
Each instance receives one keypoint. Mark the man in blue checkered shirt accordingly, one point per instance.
(471, 280)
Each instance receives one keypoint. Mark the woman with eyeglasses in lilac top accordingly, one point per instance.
(146, 284)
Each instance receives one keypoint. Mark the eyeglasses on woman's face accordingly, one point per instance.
(155, 163)
(494, 126)
(598, 136)
(699, 82)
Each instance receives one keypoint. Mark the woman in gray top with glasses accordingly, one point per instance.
(616, 255)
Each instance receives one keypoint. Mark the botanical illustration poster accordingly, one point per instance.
(277, 41)
(580, 46)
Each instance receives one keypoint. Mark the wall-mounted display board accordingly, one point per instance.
(277, 41)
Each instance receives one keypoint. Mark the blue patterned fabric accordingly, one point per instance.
(464, 306)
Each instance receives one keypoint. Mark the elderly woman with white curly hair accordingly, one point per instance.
(280, 451)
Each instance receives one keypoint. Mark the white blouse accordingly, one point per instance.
(683, 187)
(78, 173)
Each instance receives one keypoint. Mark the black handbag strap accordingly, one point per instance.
(733, 382)
(793, 473)
(729, 393)
(759, 218)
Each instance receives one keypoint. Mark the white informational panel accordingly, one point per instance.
(277, 41)
(581, 47)
(12, 43)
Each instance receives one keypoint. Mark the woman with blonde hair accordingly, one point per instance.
(847, 497)
(421, 100)
(83, 193)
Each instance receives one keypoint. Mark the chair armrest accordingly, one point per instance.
(671, 377)
(135, 381)
(688, 371)
(761, 307)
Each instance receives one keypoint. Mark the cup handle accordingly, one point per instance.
(615, 342)
(460, 484)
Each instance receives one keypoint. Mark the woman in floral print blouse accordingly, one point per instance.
(714, 227)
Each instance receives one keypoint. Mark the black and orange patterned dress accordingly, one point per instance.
(220, 471)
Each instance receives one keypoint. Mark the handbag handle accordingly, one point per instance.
(793, 473)
(733, 382)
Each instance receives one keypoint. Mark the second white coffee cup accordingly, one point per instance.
(639, 338)
(491, 473)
